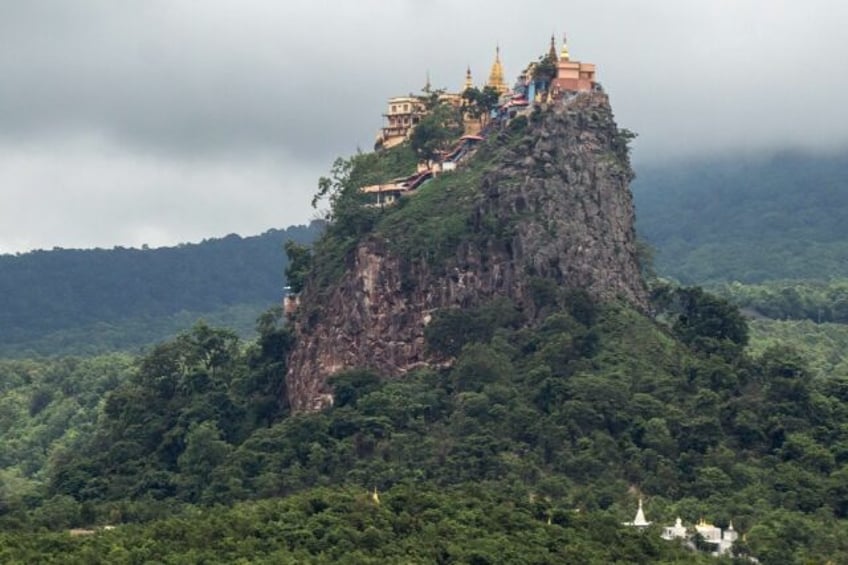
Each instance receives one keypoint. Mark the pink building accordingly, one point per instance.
(573, 75)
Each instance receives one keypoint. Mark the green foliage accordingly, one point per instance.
(566, 413)
(705, 318)
(47, 408)
(479, 102)
(822, 345)
(791, 300)
(411, 524)
(167, 428)
(299, 263)
(436, 131)
(349, 219)
(451, 330)
(546, 69)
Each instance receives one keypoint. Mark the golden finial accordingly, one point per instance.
(468, 82)
(564, 55)
(375, 496)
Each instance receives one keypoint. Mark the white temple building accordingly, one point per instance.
(719, 541)
(677, 531)
(639, 521)
(722, 539)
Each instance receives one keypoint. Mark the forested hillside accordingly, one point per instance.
(565, 423)
(749, 220)
(69, 301)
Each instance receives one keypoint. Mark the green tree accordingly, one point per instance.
(299, 263)
(436, 131)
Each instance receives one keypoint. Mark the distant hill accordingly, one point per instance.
(709, 221)
(87, 301)
(781, 217)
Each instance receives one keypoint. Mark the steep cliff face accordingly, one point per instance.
(555, 204)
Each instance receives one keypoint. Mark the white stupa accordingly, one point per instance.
(677, 531)
(639, 521)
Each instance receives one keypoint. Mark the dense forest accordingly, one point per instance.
(749, 220)
(92, 301)
(568, 421)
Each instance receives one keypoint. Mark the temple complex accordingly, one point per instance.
(552, 77)
(404, 112)
(716, 541)
(573, 75)
(562, 75)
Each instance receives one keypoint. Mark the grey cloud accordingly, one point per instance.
(255, 98)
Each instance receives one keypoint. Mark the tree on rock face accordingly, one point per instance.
(436, 131)
(300, 261)
(546, 69)
(478, 102)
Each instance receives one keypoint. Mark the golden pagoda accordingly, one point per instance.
(496, 75)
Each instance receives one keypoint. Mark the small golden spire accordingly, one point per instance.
(427, 84)
(468, 82)
(375, 496)
(564, 54)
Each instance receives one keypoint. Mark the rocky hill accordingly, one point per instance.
(544, 204)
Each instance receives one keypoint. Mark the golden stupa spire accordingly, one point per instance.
(375, 496)
(468, 82)
(552, 52)
(496, 75)
(564, 54)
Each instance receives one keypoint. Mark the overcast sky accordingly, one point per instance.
(162, 121)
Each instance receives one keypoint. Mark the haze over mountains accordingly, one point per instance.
(749, 219)
(709, 221)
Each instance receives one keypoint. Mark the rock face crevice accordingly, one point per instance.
(556, 205)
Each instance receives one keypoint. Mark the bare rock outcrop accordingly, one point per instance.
(556, 205)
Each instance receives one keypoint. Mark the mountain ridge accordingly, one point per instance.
(545, 201)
